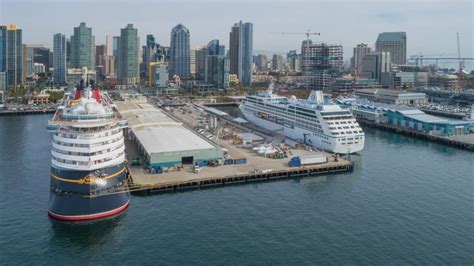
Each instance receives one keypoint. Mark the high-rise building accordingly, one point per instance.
(261, 62)
(11, 55)
(128, 54)
(158, 74)
(395, 43)
(83, 47)
(109, 43)
(217, 71)
(42, 55)
(277, 62)
(192, 62)
(100, 53)
(359, 52)
(377, 65)
(320, 61)
(29, 52)
(294, 61)
(200, 62)
(180, 52)
(68, 52)
(241, 52)
(213, 48)
(59, 58)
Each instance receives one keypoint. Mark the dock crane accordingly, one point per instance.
(308, 33)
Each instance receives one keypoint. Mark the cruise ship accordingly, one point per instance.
(315, 122)
(88, 174)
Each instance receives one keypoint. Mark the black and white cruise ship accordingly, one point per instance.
(88, 174)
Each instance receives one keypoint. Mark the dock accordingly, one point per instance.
(257, 168)
(461, 141)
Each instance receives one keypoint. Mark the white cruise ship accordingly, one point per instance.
(323, 125)
(88, 174)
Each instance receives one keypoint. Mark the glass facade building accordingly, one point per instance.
(59, 58)
(180, 52)
(11, 55)
(128, 54)
(83, 47)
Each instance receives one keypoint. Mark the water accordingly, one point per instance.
(408, 202)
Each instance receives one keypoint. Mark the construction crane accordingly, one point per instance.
(459, 85)
(308, 34)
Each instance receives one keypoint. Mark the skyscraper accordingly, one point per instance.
(241, 52)
(200, 61)
(128, 53)
(377, 65)
(11, 55)
(277, 62)
(109, 44)
(59, 58)
(320, 61)
(180, 52)
(395, 43)
(359, 52)
(217, 71)
(83, 47)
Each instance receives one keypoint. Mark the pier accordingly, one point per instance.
(27, 112)
(258, 168)
(145, 184)
(461, 141)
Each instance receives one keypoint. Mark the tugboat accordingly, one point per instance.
(88, 173)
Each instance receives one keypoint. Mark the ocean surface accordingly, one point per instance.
(408, 201)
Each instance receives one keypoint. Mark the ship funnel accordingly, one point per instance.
(316, 97)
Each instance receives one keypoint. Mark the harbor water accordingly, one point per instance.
(408, 201)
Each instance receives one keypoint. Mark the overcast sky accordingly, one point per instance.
(431, 25)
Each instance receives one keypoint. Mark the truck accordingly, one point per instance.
(307, 160)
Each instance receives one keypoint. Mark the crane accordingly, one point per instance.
(308, 33)
(459, 85)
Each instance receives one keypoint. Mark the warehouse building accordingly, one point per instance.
(163, 141)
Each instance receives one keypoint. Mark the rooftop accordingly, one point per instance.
(156, 131)
(392, 36)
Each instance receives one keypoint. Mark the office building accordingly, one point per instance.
(42, 55)
(3, 83)
(180, 52)
(278, 63)
(59, 59)
(29, 53)
(83, 47)
(217, 71)
(360, 51)
(11, 55)
(261, 62)
(192, 62)
(241, 52)
(294, 61)
(200, 61)
(320, 62)
(100, 53)
(394, 43)
(109, 44)
(377, 65)
(127, 58)
(158, 74)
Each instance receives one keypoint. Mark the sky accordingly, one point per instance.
(431, 25)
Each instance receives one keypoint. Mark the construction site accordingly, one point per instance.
(192, 146)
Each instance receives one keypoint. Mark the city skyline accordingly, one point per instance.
(269, 21)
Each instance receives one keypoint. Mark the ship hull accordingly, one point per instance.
(88, 195)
